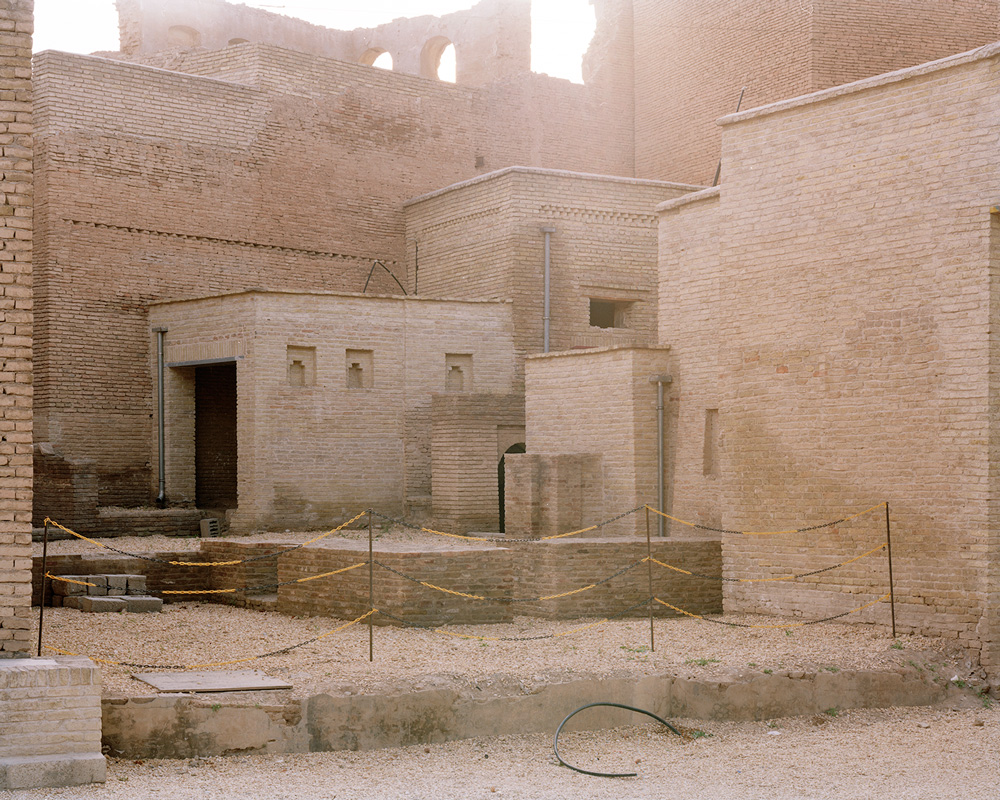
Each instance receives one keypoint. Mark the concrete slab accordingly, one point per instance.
(138, 604)
(207, 681)
(33, 772)
(101, 604)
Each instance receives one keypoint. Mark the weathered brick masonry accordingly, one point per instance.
(848, 267)
(15, 325)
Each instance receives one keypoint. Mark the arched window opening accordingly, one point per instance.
(183, 36)
(377, 57)
(438, 60)
(238, 41)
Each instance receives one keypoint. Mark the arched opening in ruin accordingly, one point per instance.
(502, 480)
(438, 60)
(377, 57)
(237, 40)
(183, 36)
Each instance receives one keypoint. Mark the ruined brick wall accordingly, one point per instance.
(492, 40)
(319, 438)
(484, 239)
(856, 327)
(601, 403)
(16, 185)
(692, 59)
(158, 185)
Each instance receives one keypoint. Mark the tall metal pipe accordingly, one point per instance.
(660, 380)
(548, 293)
(161, 498)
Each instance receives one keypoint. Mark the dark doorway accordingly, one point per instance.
(215, 436)
(502, 480)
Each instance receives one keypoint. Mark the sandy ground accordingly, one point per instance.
(899, 754)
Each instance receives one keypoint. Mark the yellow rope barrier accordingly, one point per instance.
(771, 580)
(355, 518)
(229, 591)
(338, 629)
(762, 533)
(328, 574)
(571, 533)
(791, 625)
(68, 580)
(455, 535)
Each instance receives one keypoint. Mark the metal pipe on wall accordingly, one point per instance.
(161, 498)
(660, 380)
(548, 293)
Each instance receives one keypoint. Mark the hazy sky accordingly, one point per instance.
(561, 29)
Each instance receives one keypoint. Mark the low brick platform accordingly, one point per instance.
(50, 722)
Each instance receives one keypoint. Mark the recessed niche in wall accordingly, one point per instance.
(360, 369)
(710, 460)
(301, 363)
(458, 372)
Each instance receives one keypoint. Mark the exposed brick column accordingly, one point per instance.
(15, 326)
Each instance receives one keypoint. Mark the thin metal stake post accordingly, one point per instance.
(649, 563)
(892, 594)
(41, 604)
(371, 590)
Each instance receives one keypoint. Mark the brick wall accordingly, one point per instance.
(692, 59)
(161, 185)
(16, 184)
(313, 450)
(50, 733)
(599, 403)
(853, 340)
(483, 239)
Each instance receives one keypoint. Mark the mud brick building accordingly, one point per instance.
(300, 230)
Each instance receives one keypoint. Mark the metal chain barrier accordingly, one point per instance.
(791, 625)
(610, 578)
(766, 533)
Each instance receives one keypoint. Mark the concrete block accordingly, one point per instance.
(117, 585)
(32, 772)
(65, 588)
(98, 585)
(102, 604)
(136, 584)
(72, 602)
(141, 604)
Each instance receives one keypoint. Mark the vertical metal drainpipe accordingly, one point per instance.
(161, 498)
(660, 380)
(548, 273)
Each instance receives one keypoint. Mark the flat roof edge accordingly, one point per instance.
(696, 197)
(500, 173)
(984, 53)
(305, 293)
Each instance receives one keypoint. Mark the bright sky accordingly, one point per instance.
(561, 29)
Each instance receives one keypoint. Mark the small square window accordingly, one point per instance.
(608, 313)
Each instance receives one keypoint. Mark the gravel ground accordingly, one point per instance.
(195, 633)
(895, 753)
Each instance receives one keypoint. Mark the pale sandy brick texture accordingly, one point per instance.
(853, 298)
(16, 188)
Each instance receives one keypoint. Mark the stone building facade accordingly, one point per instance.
(824, 315)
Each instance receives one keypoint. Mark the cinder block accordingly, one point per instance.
(141, 604)
(102, 604)
(72, 601)
(98, 585)
(136, 584)
(117, 585)
(64, 587)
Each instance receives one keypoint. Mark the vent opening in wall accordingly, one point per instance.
(609, 313)
(360, 369)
